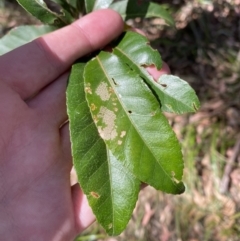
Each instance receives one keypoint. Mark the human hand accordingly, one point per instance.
(36, 199)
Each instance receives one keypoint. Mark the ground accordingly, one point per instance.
(203, 49)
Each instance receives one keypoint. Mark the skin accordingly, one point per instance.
(37, 201)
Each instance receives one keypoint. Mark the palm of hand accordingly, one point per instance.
(36, 167)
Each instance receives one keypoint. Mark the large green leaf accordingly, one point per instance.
(111, 189)
(141, 8)
(22, 35)
(130, 121)
(174, 94)
(39, 9)
(92, 5)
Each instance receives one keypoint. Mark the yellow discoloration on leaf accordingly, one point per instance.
(111, 90)
(88, 90)
(93, 107)
(95, 119)
(123, 133)
(174, 178)
(103, 91)
(119, 142)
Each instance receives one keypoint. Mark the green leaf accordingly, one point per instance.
(22, 35)
(129, 119)
(92, 5)
(112, 191)
(141, 8)
(39, 9)
(176, 95)
(135, 49)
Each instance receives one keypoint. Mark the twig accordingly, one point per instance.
(228, 168)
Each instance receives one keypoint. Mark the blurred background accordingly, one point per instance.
(203, 49)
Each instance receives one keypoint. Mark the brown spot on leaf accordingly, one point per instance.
(95, 195)
(195, 107)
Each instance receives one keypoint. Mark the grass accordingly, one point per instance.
(204, 50)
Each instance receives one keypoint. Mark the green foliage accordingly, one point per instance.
(143, 9)
(22, 35)
(119, 135)
(176, 95)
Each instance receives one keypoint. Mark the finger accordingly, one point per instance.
(50, 103)
(155, 73)
(33, 66)
(83, 213)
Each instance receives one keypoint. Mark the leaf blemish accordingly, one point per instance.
(114, 81)
(110, 226)
(108, 132)
(129, 66)
(119, 142)
(103, 92)
(174, 179)
(95, 119)
(170, 107)
(93, 107)
(164, 85)
(95, 195)
(153, 113)
(130, 112)
(195, 107)
(123, 133)
(88, 90)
